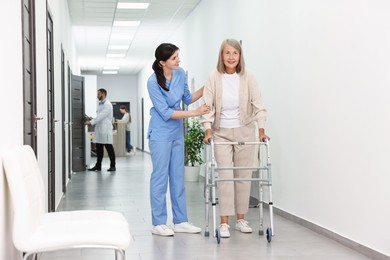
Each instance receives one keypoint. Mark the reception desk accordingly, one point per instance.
(118, 140)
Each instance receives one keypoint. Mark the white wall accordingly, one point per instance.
(323, 70)
(90, 95)
(41, 82)
(11, 111)
(11, 73)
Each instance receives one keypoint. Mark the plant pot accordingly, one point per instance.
(191, 173)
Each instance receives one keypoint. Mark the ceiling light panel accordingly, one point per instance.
(118, 47)
(123, 30)
(121, 37)
(110, 72)
(123, 5)
(116, 55)
(111, 68)
(127, 23)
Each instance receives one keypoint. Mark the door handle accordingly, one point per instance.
(37, 118)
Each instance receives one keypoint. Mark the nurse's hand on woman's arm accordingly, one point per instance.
(201, 110)
(197, 94)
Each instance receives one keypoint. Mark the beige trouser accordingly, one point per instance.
(234, 196)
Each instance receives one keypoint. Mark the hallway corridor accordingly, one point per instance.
(127, 191)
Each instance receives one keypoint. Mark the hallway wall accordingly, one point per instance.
(11, 107)
(322, 67)
(62, 39)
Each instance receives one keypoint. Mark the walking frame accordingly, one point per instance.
(261, 175)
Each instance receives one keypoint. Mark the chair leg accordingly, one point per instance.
(120, 254)
(30, 256)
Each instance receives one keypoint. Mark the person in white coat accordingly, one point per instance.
(103, 131)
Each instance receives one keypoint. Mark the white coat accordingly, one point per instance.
(103, 123)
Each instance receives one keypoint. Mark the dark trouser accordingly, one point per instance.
(99, 153)
(129, 147)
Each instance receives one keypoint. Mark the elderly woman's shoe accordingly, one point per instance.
(224, 230)
(242, 225)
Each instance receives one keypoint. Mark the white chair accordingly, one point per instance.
(36, 231)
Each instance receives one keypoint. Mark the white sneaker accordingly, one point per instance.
(162, 230)
(186, 227)
(128, 153)
(224, 230)
(242, 225)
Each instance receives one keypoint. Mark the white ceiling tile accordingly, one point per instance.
(92, 27)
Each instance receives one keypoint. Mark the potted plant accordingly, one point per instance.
(91, 128)
(193, 144)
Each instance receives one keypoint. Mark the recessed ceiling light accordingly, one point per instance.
(110, 72)
(127, 23)
(118, 47)
(116, 55)
(132, 5)
(111, 67)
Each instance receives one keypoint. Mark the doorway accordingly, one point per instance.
(77, 127)
(50, 113)
(63, 121)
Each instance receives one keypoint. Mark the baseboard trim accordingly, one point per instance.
(336, 237)
(254, 202)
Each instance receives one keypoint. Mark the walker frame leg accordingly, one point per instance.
(263, 171)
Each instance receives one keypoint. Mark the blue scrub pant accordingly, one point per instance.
(168, 166)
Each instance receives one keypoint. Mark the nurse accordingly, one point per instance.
(167, 88)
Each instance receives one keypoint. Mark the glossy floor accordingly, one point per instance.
(127, 191)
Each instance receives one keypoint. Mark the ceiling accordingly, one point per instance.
(93, 31)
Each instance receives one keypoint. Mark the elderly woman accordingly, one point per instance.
(236, 104)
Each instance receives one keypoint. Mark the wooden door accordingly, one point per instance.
(63, 121)
(29, 75)
(50, 113)
(77, 124)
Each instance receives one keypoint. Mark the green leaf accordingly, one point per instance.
(193, 143)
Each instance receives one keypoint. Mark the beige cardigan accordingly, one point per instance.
(250, 101)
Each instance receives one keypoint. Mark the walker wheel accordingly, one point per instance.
(218, 235)
(206, 233)
(269, 235)
(261, 233)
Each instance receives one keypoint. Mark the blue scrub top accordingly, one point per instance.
(161, 126)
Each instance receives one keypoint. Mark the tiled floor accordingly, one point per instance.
(127, 191)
